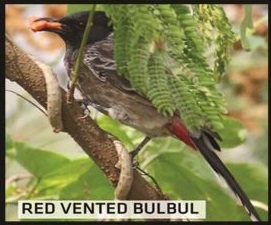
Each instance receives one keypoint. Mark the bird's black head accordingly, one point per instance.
(71, 28)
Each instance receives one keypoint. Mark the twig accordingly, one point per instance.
(151, 177)
(32, 103)
(80, 55)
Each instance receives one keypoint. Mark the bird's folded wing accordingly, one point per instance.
(99, 58)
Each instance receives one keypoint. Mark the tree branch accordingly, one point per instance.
(21, 69)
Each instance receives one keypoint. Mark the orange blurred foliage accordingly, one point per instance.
(16, 23)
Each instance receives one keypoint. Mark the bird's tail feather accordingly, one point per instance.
(205, 142)
(214, 161)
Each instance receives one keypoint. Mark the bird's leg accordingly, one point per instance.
(134, 152)
(85, 102)
(152, 178)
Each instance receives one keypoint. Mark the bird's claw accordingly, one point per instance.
(84, 106)
(135, 163)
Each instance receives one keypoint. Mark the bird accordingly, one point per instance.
(110, 93)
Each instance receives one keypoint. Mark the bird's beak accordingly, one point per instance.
(45, 24)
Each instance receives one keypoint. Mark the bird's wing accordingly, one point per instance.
(99, 58)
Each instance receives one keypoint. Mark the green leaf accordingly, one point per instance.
(9, 145)
(64, 175)
(184, 174)
(38, 162)
(172, 30)
(92, 185)
(258, 189)
(73, 8)
(254, 179)
(8, 142)
(115, 128)
(77, 190)
(233, 133)
(246, 24)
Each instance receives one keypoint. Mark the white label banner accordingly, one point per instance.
(32, 209)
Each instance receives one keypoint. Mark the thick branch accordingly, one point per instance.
(94, 141)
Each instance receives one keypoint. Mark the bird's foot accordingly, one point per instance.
(84, 105)
(135, 152)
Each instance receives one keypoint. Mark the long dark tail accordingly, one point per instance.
(214, 161)
(205, 142)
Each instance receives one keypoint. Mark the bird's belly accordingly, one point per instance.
(128, 108)
(153, 127)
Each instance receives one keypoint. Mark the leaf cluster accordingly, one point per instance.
(161, 50)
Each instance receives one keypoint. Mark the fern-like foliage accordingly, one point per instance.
(161, 50)
(215, 27)
(159, 90)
